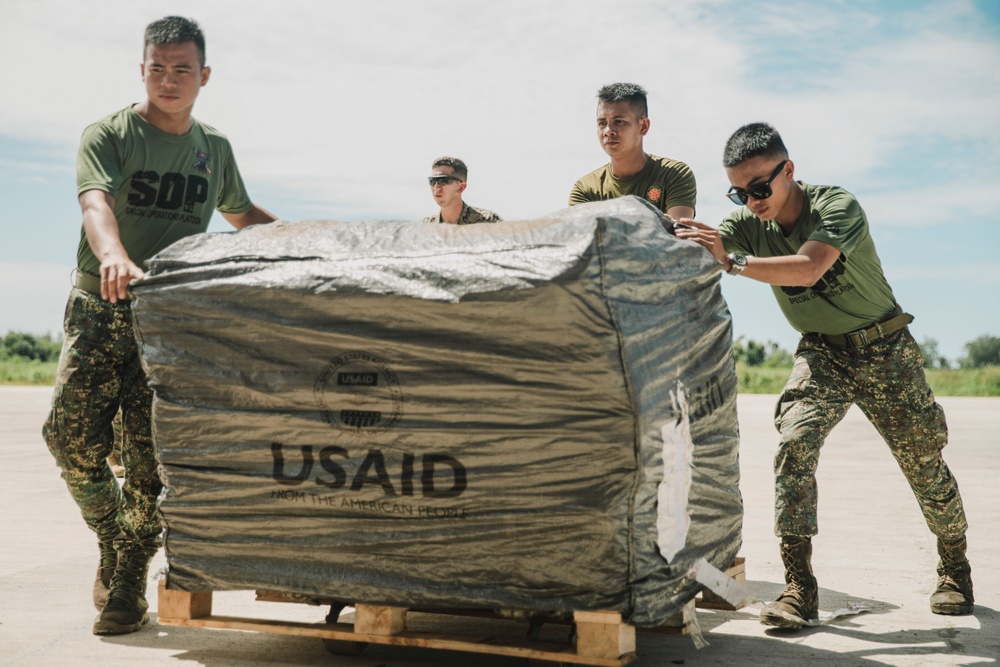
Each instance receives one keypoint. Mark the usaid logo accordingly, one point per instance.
(353, 379)
(358, 392)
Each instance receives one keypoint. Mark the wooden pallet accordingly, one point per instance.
(602, 638)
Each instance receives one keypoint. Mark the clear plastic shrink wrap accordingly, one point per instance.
(535, 415)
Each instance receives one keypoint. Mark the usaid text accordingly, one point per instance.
(436, 475)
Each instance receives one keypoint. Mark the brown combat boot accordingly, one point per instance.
(105, 570)
(125, 610)
(799, 602)
(953, 595)
(107, 532)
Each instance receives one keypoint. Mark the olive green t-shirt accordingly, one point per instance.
(165, 186)
(663, 182)
(853, 293)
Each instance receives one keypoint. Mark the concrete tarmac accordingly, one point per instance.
(873, 548)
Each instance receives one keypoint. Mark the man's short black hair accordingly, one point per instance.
(632, 93)
(456, 165)
(751, 141)
(175, 30)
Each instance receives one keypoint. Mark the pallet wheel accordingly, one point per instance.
(344, 647)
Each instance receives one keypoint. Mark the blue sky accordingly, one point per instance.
(336, 109)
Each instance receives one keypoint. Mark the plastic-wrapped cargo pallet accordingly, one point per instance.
(535, 415)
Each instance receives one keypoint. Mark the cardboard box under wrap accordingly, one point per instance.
(535, 415)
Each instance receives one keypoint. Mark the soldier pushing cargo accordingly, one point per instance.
(812, 244)
(147, 175)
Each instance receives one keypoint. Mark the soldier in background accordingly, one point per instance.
(448, 181)
(622, 122)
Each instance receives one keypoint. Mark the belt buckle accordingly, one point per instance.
(861, 335)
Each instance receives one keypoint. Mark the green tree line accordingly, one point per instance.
(29, 348)
(762, 368)
(982, 352)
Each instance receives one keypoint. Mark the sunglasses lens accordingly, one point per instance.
(743, 196)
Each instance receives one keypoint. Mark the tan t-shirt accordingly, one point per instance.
(663, 182)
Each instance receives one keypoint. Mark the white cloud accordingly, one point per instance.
(915, 207)
(347, 103)
(344, 104)
(863, 90)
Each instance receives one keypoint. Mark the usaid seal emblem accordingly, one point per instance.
(358, 392)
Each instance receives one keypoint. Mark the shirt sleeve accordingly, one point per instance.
(682, 190)
(842, 222)
(99, 161)
(578, 195)
(733, 237)
(233, 196)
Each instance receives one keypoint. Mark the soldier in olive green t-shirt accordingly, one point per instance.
(813, 245)
(147, 175)
(851, 294)
(622, 122)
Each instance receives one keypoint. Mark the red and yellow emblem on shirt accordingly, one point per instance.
(654, 194)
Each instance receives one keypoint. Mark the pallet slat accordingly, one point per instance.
(383, 620)
(182, 609)
(182, 605)
(602, 634)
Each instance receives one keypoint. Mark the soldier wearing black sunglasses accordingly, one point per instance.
(448, 182)
(812, 244)
(758, 191)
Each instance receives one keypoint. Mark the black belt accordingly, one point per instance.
(862, 337)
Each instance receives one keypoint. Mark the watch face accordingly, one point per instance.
(739, 259)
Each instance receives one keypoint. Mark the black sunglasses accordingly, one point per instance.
(758, 191)
(442, 180)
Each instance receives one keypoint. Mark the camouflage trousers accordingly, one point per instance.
(886, 380)
(99, 372)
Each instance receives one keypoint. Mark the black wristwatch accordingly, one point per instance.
(737, 263)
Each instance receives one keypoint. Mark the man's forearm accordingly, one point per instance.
(788, 271)
(101, 226)
(255, 216)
